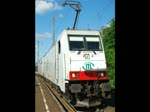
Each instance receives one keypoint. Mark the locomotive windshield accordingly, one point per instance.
(84, 43)
(76, 43)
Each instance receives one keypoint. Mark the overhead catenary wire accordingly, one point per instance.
(105, 6)
(101, 11)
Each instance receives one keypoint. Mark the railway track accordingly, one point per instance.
(68, 107)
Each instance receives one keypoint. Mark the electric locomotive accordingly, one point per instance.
(76, 66)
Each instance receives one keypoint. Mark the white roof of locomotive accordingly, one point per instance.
(79, 32)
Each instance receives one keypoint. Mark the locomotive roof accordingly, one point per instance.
(78, 32)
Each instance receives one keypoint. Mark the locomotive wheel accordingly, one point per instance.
(70, 98)
(73, 99)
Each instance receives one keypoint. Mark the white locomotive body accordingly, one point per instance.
(76, 65)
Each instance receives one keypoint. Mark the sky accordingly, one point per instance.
(94, 15)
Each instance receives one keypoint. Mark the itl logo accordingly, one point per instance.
(88, 66)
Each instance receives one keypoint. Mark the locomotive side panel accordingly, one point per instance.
(62, 52)
(40, 66)
(52, 66)
(44, 67)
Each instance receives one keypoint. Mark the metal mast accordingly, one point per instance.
(76, 6)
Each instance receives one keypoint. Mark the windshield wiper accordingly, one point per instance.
(79, 52)
(94, 52)
(81, 49)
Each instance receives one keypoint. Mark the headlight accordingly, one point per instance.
(73, 75)
(102, 74)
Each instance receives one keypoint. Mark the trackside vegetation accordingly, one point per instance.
(108, 36)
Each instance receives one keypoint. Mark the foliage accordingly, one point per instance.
(108, 36)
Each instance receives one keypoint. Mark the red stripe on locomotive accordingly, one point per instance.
(87, 75)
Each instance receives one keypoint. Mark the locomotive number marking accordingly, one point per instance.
(87, 56)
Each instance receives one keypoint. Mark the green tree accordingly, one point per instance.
(108, 36)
